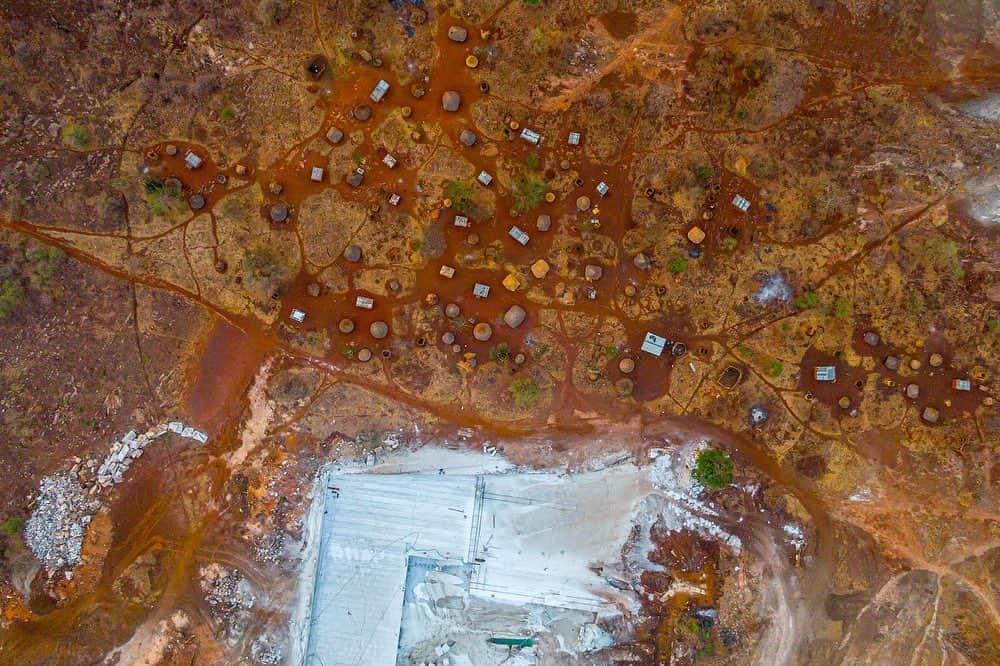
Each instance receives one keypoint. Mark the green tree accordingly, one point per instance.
(713, 469)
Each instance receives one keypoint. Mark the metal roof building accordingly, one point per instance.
(372, 523)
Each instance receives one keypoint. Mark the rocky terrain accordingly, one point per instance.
(272, 234)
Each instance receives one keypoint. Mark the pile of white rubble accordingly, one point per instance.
(131, 446)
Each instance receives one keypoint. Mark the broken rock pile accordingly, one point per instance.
(131, 446)
(55, 530)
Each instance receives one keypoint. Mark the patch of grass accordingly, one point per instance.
(532, 2)
(743, 349)
(75, 135)
(677, 265)
(713, 469)
(161, 197)
(532, 161)
(11, 297)
(227, 114)
(13, 526)
(611, 351)
(529, 192)
(525, 392)
(774, 367)
(500, 353)
(806, 300)
(460, 192)
(702, 173)
(842, 308)
(347, 351)
(993, 325)
(730, 243)
(958, 272)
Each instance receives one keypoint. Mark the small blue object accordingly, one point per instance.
(770, 207)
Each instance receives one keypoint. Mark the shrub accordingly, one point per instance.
(13, 526)
(942, 252)
(525, 392)
(677, 265)
(808, 299)
(47, 261)
(774, 367)
(713, 469)
(460, 193)
(730, 243)
(914, 302)
(528, 193)
(75, 135)
(842, 308)
(11, 296)
(259, 259)
(273, 12)
(226, 114)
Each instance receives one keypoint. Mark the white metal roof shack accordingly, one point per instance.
(531, 136)
(826, 373)
(603, 189)
(381, 88)
(447, 271)
(480, 290)
(389, 161)
(297, 315)
(365, 302)
(654, 344)
(484, 178)
(316, 175)
(191, 160)
(517, 234)
(741, 203)
(461, 221)
(574, 138)
(394, 199)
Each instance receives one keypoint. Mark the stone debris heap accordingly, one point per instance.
(131, 446)
(55, 530)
